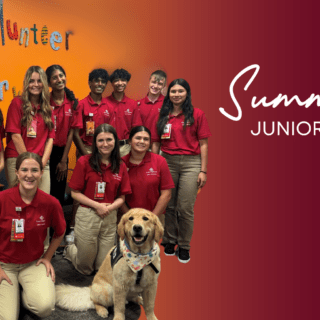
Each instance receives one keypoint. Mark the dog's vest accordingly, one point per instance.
(116, 255)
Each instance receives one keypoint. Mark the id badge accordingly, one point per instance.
(55, 123)
(32, 130)
(90, 128)
(100, 190)
(166, 131)
(17, 230)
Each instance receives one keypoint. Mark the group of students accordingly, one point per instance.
(118, 167)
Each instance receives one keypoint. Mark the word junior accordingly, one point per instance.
(303, 128)
(55, 36)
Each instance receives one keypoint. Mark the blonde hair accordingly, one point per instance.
(45, 108)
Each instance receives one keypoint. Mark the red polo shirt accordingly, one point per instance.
(185, 141)
(44, 211)
(88, 110)
(149, 112)
(84, 179)
(125, 116)
(13, 125)
(147, 179)
(62, 120)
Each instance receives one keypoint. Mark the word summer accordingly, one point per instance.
(302, 128)
(54, 38)
(263, 101)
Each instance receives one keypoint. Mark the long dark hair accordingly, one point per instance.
(137, 129)
(167, 107)
(95, 158)
(1, 118)
(70, 95)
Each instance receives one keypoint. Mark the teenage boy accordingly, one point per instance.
(150, 106)
(125, 114)
(91, 112)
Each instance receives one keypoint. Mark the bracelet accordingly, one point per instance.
(204, 172)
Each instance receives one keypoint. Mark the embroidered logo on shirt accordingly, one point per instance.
(128, 112)
(188, 123)
(106, 113)
(69, 113)
(151, 172)
(116, 177)
(41, 221)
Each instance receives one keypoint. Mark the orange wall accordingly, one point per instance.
(140, 36)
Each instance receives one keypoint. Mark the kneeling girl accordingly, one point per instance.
(99, 182)
(25, 214)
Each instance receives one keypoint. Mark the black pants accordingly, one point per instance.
(57, 187)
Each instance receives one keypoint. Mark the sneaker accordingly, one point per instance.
(169, 249)
(69, 238)
(65, 251)
(183, 255)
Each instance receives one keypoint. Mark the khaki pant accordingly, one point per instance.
(88, 149)
(162, 219)
(10, 171)
(38, 293)
(179, 213)
(94, 237)
(124, 150)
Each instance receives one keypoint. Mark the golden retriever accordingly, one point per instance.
(139, 231)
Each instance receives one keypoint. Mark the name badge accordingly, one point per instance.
(17, 230)
(90, 114)
(99, 190)
(89, 128)
(32, 129)
(166, 131)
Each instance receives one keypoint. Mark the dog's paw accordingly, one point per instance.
(102, 311)
(138, 300)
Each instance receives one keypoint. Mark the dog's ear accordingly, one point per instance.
(121, 225)
(158, 232)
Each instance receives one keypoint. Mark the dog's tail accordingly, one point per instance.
(73, 298)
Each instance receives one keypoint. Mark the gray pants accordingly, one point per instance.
(179, 213)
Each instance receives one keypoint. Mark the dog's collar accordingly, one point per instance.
(137, 261)
(137, 253)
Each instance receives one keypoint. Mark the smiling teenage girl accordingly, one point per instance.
(150, 178)
(63, 102)
(183, 135)
(99, 182)
(25, 214)
(30, 126)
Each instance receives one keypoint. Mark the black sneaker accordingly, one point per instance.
(183, 255)
(169, 249)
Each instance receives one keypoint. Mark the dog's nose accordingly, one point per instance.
(137, 228)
